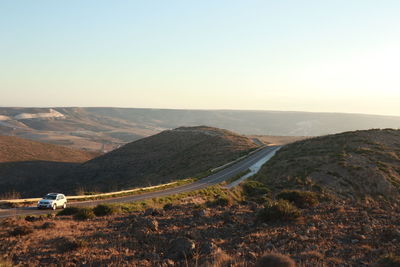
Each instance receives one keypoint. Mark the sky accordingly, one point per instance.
(310, 55)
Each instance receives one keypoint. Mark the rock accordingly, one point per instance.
(181, 248)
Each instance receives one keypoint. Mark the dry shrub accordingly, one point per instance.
(84, 214)
(6, 263)
(105, 210)
(275, 260)
(280, 210)
(389, 261)
(66, 244)
(48, 225)
(220, 259)
(302, 199)
(68, 211)
(21, 230)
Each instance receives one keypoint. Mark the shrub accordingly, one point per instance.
(222, 201)
(254, 188)
(48, 225)
(68, 211)
(68, 244)
(104, 210)
(302, 199)
(6, 263)
(84, 214)
(21, 230)
(280, 210)
(389, 261)
(168, 206)
(276, 260)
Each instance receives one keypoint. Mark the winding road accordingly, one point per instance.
(213, 179)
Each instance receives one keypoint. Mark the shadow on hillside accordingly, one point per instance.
(33, 178)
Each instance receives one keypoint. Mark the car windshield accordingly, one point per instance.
(49, 197)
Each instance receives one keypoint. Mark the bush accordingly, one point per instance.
(68, 244)
(254, 188)
(84, 214)
(389, 261)
(21, 230)
(68, 211)
(6, 263)
(48, 225)
(168, 206)
(276, 260)
(302, 199)
(222, 201)
(104, 210)
(280, 210)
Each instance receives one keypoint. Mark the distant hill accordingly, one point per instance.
(351, 164)
(170, 155)
(108, 128)
(28, 166)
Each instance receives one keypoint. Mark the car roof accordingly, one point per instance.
(54, 194)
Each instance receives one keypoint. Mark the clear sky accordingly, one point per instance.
(334, 56)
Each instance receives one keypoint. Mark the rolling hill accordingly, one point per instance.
(29, 167)
(170, 155)
(104, 129)
(355, 164)
(33, 168)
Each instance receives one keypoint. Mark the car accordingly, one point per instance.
(52, 201)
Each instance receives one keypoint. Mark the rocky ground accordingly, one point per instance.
(335, 233)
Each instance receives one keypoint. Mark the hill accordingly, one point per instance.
(351, 164)
(28, 166)
(104, 129)
(161, 158)
(14, 149)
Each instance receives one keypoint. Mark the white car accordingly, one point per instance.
(52, 201)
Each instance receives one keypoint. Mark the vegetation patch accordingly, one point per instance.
(21, 230)
(105, 210)
(84, 214)
(281, 210)
(68, 211)
(389, 261)
(66, 244)
(222, 201)
(255, 191)
(301, 199)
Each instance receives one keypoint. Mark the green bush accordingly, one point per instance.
(301, 199)
(254, 188)
(389, 261)
(280, 210)
(84, 214)
(68, 211)
(104, 210)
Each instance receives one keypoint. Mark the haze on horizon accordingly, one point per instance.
(337, 56)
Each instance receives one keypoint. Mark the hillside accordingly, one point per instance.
(104, 129)
(27, 166)
(14, 149)
(161, 158)
(351, 164)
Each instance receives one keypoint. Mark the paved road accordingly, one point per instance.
(205, 182)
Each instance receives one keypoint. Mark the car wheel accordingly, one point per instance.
(54, 207)
(64, 205)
